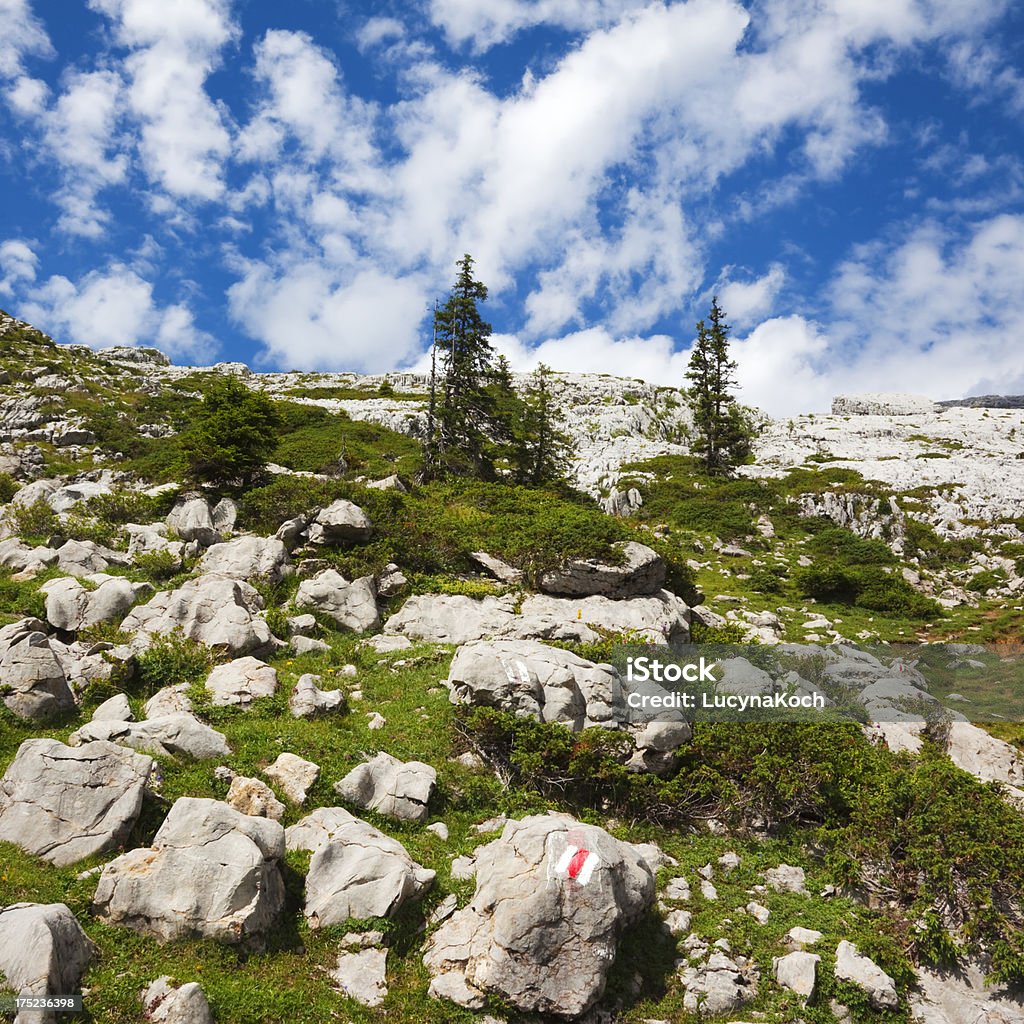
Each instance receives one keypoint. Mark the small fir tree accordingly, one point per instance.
(721, 433)
(459, 443)
(233, 435)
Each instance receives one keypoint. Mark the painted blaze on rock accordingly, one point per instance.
(552, 898)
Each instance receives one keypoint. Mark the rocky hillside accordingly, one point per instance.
(341, 746)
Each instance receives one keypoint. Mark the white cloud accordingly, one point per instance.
(27, 97)
(304, 100)
(114, 307)
(379, 30)
(175, 46)
(18, 263)
(79, 132)
(747, 302)
(309, 318)
(933, 314)
(485, 23)
(23, 36)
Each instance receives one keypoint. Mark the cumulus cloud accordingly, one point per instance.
(174, 47)
(747, 302)
(18, 263)
(309, 318)
(23, 36)
(79, 132)
(485, 23)
(114, 306)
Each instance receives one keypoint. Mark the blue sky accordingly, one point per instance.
(290, 184)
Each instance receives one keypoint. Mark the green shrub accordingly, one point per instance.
(36, 522)
(172, 659)
(8, 487)
(989, 579)
(827, 581)
(233, 434)
(768, 579)
(157, 565)
(842, 545)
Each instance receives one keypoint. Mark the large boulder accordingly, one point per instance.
(212, 610)
(241, 681)
(43, 952)
(661, 618)
(340, 523)
(548, 684)
(18, 556)
(352, 606)
(356, 871)
(552, 898)
(192, 519)
(66, 803)
(32, 680)
(456, 619)
(452, 618)
(84, 557)
(641, 571)
(71, 605)
(863, 972)
(177, 734)
(212, 872)
(247, 558)
(398, 789)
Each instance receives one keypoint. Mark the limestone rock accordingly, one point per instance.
(362, 976)
(192, 520)
(882, 404)
(165, 1003)
(211, 610)
(340, 523)
(34, 682)
(43, 952)
(356, 870)
(248, 558)
(552, 898)
(798, 972)
(642, 571)
(866, 975)
(294, 775)
(353, 606)
(553, 685)
(212, 872)
(168, 700)
(240, 682)
(250, 796)
(786, 878)
(307, 700)
(178, 734)
(454, 618)
(64, 804)
(718, 984)
(115, 709)
(391, 787)
(84, 557)
(70, 605)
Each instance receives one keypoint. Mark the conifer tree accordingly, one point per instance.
(459, 443)
(722, 435)
(544, 447)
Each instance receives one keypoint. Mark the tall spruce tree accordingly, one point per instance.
(543, 446)
(460, 443)
(721, 433)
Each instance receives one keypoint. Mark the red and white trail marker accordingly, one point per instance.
(577, 864)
